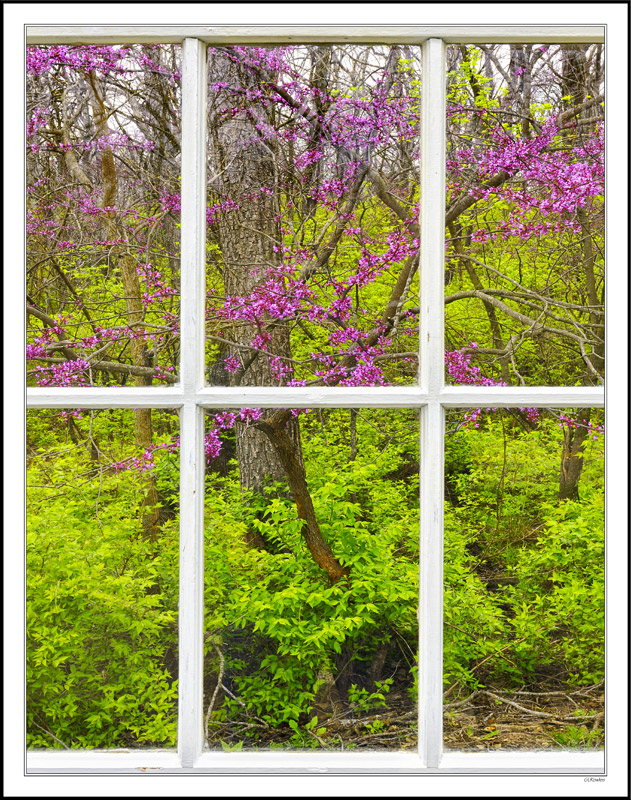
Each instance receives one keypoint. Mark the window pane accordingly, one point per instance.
(311, 583)
(102, 579)
(524, 579)
(525, 214)
(313, 215)
(103, 251)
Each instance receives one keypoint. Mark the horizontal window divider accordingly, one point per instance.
(166, 762)
(312, 34)
(518, 396)
(320, 397)
(105, 397)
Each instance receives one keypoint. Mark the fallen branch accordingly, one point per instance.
(581, 690)
(534, 713)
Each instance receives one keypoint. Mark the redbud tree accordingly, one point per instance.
(312, 227)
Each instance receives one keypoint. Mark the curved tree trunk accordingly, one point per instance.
(277, 433)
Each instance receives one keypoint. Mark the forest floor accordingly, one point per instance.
(564, 718)
(568, 718)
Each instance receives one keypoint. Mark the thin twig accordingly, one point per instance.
(212, 699)
(63, 744)
(247, 711)
(319, 738)
(458, 703)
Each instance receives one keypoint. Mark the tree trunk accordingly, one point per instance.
(455, 231)
(275, 430)
(135, 312)
(574, 74)
(377, 664)
(250, 242)
(596, 313)
(572, 458)
(327, 701)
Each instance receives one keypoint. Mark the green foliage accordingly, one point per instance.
(579, 737)
(102, 600)
(101, 612)
(363, 700)
(307, 735)
(474, 625)
(544, 560)
(511, 472)
(284, 599)
(280, 619)
(560, 597)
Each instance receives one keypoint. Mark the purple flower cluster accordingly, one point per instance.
(223, 421)
(69, 373)
(153, 278)
(145, 462)
(333, 135)
(594, 429)
(460, 368)
(555, 182)
(101, 59)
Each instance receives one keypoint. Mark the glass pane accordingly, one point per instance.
(524, 247)
(103, 251)
(312, 215)
(312, 548)
(102, 579)
(524, 580)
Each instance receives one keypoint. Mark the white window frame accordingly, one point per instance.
(431, 396)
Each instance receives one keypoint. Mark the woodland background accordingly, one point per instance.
(312, 277)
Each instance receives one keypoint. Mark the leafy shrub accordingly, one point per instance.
(97, 629)
(293, 623)
(560, 597)
(547, 610)
(510, 473)
(101, 599)
(474, 625)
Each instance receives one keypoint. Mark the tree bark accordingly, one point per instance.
(572, 458)
(596, 312)
(496, 332)
(134, 308)
(250, 242)
(274, 429)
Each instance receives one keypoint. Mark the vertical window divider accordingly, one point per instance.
(431, 361)
(192, 316)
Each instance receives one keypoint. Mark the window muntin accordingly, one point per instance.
(429, 391)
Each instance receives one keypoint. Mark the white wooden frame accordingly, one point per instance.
(431, 396)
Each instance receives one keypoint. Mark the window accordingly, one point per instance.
(431, 398)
